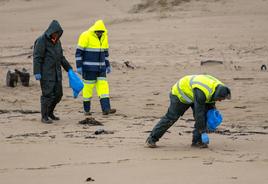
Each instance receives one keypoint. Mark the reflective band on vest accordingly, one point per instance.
(94, 63)
(201, 84)
(186, 98)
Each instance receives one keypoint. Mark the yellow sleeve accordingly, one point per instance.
(83, 40)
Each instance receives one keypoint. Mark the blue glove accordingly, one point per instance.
(37, 76)
(108, 69)
(205, 138)
(79, 70)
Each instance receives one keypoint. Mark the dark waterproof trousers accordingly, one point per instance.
(175, 110)
(51, 95)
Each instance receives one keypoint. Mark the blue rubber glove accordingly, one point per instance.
(108, 69)
(205, 138)
(79, 70)
(37, 76)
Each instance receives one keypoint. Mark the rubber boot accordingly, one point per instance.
(51, 112)
(106, 107)
(196, 137)
(197, 141)
(87, 105)
(44, 113)
(150, 143)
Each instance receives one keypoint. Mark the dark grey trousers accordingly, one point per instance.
(175, 110)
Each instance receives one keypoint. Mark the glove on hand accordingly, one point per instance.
(108, 69)
(205, 138)
(79, 70)
(37, 76)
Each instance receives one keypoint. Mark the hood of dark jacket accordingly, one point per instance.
(53, 28)
(222, 92)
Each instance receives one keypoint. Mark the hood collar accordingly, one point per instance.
(54, 27)
(98, 26)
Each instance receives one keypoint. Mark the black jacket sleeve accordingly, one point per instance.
(65, 64)
(199, 110)
(38, 55)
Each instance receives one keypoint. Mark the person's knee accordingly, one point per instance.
(172, 117)
(57, 99)
(47, 93)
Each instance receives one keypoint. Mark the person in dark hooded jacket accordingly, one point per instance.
(200, 92)
(47, 61)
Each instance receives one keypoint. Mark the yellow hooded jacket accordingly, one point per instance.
(92, 53)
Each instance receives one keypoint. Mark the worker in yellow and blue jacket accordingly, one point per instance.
(93, 64)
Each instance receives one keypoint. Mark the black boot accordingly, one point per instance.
(44, 113)
(46, 120)
(106, 107)
(110, 111)
(87, 105)
(150, 143)
(53, 117)
(51, 112)
(197, 142)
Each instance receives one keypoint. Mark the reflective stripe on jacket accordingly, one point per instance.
(92, 53)
(183, 89)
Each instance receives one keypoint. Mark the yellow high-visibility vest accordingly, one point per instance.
(183, 89)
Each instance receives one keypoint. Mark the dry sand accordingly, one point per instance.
(163, 44)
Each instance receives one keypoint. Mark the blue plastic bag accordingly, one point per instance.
(214, 119)
(75, 83)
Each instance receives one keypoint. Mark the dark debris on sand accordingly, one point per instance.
(91, 122)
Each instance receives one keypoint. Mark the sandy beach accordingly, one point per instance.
(160, 44)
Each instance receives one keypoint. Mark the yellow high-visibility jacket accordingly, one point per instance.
(92, 53)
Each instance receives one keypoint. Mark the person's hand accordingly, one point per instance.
(108, 69)
(79, 70)
(205, 138)
(37, 76)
